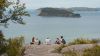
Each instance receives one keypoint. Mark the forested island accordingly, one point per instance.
(59, 12)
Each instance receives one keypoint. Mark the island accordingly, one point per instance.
(58, 12)
(83, 9)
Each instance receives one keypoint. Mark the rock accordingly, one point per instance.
(77, 48)
(57, 12)
(40, 50)
(46, 50)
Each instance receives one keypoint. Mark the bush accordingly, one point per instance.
(59, 48)
(95, 40)
(80, 41)
(95, 51)
(84, 41)
(2, 43)
(15, 46)
(70, 53)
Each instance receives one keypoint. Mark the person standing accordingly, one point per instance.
(48, 41)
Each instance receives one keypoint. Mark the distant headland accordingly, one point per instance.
(83, 9)
(59, 12)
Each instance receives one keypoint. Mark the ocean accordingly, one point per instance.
(87, 26)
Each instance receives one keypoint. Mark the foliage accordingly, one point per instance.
(10, 11)
(95, 51)
(79, 41)
(12, 46)
(70, 53)
(15, 46)
(95, 40)
(84, 41)
(59, 48)
(2, 44)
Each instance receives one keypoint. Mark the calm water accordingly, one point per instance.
(88, 26)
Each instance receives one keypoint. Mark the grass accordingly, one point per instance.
(95, 51)
(2, 44)
(15, 46)
(59, 48)
(84, 41)
(70, 53)
(12, 47)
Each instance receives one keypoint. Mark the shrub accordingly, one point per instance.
(2, 43)
(59, 48)
(84, 41)
(70, 53)
(80, 41)
(95, 40)
(15, 46)
(95, 51)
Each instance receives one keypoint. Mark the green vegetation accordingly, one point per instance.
(84, 41)
(15, 46)
(80, 41)
(59, 48)
(2, 44)
(12, 46)
(14, 12)
(95, 51)
(70, 53)
(95, 40)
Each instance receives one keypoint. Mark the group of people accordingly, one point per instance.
(60, 40)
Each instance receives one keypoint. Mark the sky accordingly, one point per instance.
(35, 4)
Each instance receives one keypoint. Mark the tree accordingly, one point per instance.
(12, 46)
(12, 11)
(2, 44)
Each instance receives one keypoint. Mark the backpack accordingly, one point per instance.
(39, 42)
(63, 41)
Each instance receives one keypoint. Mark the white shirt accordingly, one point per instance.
(36, 41)
(47, 41)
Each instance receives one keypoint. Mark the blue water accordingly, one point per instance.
(88, 26)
